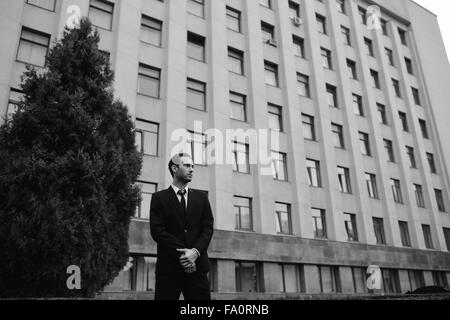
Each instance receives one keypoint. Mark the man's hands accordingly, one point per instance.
(187, 259)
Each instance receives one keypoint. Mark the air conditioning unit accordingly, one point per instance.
(272, 42)
(297, 21)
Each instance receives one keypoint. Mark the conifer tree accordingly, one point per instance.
(68, 171)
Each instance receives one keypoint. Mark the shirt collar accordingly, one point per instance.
(176, 189)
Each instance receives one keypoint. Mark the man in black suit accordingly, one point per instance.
(181, 222)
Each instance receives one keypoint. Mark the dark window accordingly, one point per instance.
(196, 46)
(196, 94)
(378, 227)
(396, 190)
(427, 236)
(404, 233)
(419, 195)
(283, 218)
(233, 19)
(351, 227)
(149, 81)
(329, 279)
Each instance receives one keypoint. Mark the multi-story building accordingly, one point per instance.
(360, 105)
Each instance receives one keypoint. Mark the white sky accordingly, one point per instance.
(442, 9)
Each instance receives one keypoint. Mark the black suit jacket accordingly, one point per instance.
(171, 231)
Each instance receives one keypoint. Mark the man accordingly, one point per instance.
(181, 222)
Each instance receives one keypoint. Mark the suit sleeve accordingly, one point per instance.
(207, 227)
(158, 229)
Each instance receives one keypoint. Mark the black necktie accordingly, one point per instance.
(183, 202)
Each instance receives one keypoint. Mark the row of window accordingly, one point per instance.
(243, 212)
(139, 275)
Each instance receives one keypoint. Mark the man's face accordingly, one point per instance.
(185, 169)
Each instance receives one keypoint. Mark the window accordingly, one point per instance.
(404, 121)
(447, 237)
(346, 34)
(101, 13)
(319, 223)
(271, 73)
(440, 278)
(33, 47)
(382, 113)
(351, 66)
(371, 182)
(268, 32)
(332, 96)
(138, 275)
(294, 10)
(326, 58)
(423, 128)
(391, 281)
(389, 150)
(416, 96)
(195, 46)
(402, 34)
(299, 47)
(431, 163)
(15, 96)
(350, 226)
(149, 81)
(196, 7)
(248, 277)
(358, 105)
(384, 27)
(378, 228)
(243, 213)
(279, 166)
(344, 180)
(235, 61)
(44, 4)
(275, 117)
(283, 218)
(303, 85)
(240, 157)
(375, 79)
(396, 86)
(364, 144)
(196, 146)
(411, 157)
(341, 6)
(313, 169)
(147, 189)
(419, 195)
(427, 236)
(409, 67)
(309, 131)
(338, 135)
(396, 191)
(359, 280)
(238, 106)
(416, 279)
(439, 200)
(362, 15)
(151, 31)
(292, 278)
(233, 19)
(404, 233)
(368, 46)
(266, 3)
(329, 279)
(147, 137)
(196, 94)
(321, 24)
(390, 56)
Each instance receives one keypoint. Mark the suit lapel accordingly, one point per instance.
(175, 203)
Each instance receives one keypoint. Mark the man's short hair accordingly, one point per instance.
(175, 160)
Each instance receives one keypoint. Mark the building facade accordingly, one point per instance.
(360, 105)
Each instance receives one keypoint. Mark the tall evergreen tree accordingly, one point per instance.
(68, 167)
